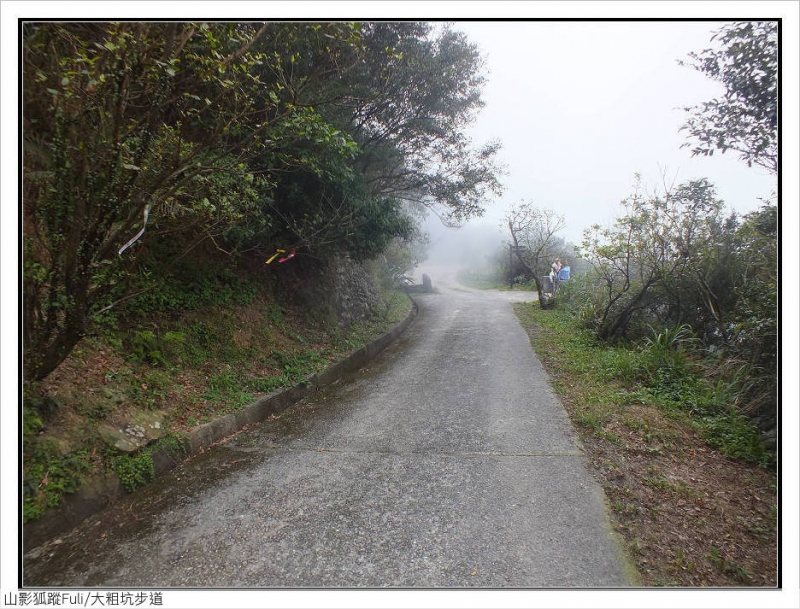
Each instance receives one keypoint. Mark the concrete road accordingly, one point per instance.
(448, 462)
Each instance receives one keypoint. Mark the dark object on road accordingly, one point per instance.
(426, 287)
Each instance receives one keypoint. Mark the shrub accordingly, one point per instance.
(48, 476)
(135, 470)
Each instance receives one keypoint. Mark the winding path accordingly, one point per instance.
(448, 462)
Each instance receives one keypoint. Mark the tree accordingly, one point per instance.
(674, 260)
(644, 267)
(411, 137)
(253, 136)
(135, 125)
(408, 143)
(533, 241)
(745, 119)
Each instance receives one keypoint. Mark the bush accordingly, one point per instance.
(736, 437)
(136, 470)
(48, 476)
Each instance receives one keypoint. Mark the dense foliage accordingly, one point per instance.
(674, 263)
(653, 256)
(143, 140)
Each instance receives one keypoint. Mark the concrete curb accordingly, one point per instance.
(96, 495)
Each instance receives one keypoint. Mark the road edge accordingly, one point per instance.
(99, 494)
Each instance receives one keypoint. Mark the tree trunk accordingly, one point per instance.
(619, 327)
(543, 302)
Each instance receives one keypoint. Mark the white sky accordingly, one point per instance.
(582, 106)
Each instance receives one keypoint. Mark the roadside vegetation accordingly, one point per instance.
(691, 487)
(240, 340)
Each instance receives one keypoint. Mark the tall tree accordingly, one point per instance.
(406, 103)
(128, 125)
(745, 118)
(253, 135)
(402, 93)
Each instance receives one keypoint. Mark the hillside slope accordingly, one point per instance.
(150, 379)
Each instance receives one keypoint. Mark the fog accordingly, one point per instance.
(472, 245)
(581, 107)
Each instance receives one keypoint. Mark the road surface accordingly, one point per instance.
(447, 462)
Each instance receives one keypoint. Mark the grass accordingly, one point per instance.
(682, 472)
(481, 278)
(660, 373)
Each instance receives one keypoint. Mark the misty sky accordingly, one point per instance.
(581, 107)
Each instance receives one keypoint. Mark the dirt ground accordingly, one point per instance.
(689, 516)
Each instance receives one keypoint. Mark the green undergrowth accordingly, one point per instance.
(137, 469)
(487, 278)
(601, 380)
(195, 366)
(481, 278)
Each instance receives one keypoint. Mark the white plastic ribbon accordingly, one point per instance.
(145, 215)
